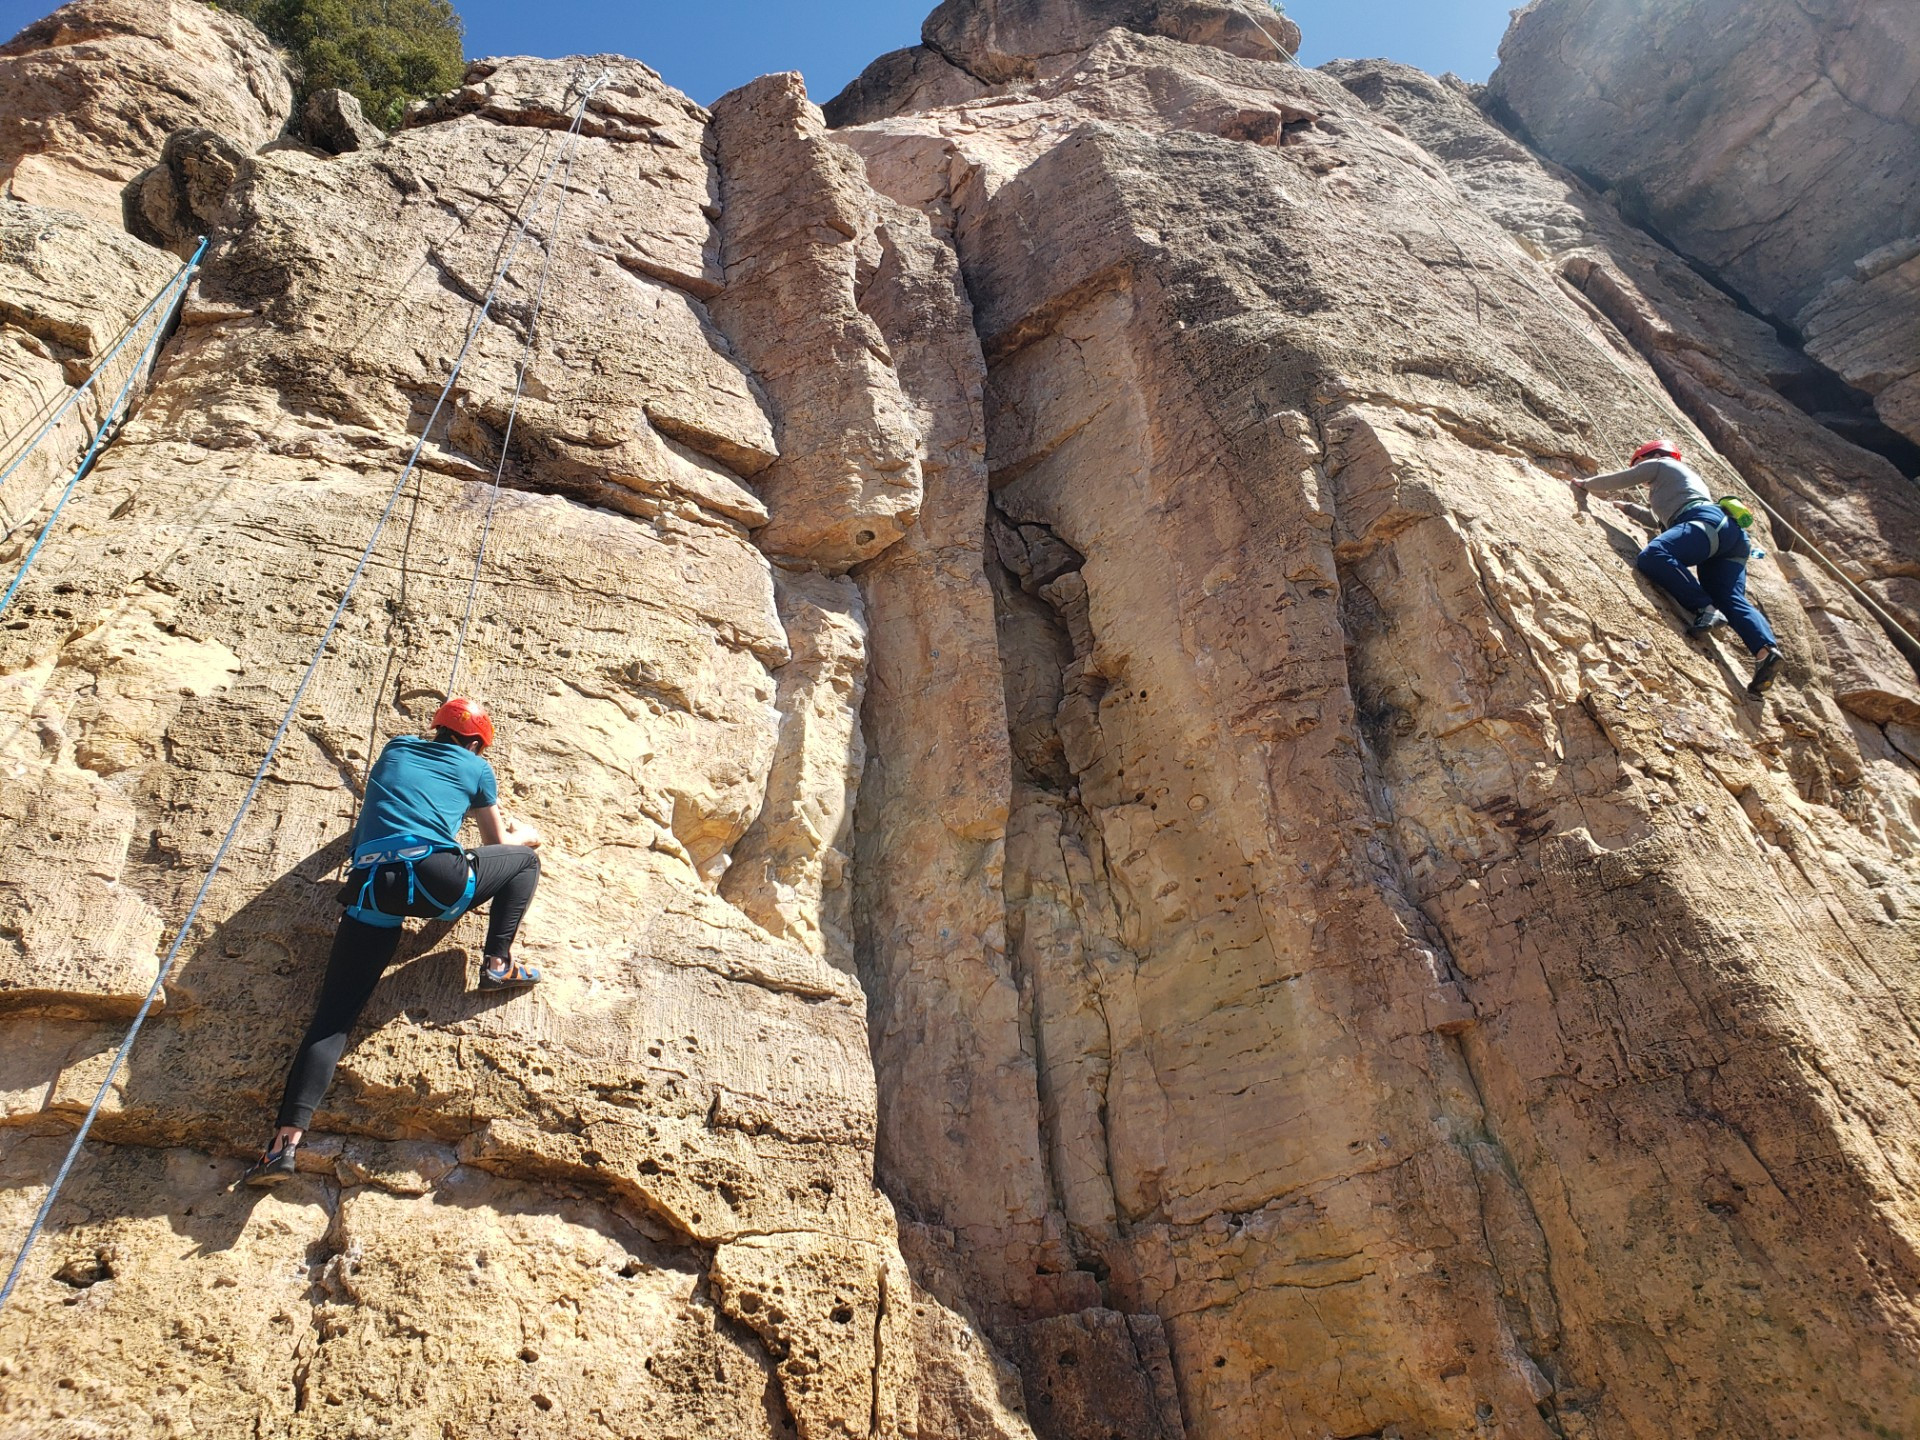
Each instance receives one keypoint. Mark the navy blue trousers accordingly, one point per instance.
(1671, 557)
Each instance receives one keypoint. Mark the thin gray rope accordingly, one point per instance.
(266, 763)
(519, 388)
(108, 429)
(1663, 403)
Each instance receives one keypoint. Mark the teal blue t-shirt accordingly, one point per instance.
(424, 788)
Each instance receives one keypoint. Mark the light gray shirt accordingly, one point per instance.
(1672, 487)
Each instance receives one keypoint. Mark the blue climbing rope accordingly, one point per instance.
(280, 734)
(108, 425)
(73, 397)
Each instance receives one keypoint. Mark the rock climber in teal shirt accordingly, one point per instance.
(408, 860)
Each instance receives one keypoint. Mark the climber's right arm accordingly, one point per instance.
(1613, 480)
(497, 829)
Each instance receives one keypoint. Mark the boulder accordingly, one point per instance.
(89, 95)
(332, 121)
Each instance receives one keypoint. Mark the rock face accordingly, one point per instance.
(1401, 991)
(1777, 143)
(1122, 859)
(88, 94)
(641, 1195)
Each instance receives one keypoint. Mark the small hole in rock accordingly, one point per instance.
(529, 1354)
(865, 537)
(842, 1315)
(1067, 1357)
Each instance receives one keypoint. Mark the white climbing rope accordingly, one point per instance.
(273, 747)
(519, 387)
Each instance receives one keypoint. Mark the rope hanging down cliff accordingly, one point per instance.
(568, 155)
(73, 396)
(513, 405)
(171, 294)
(280, 733)
(1663, 403)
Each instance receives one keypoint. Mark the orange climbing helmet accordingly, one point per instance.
(1662, 446)
(465, 717)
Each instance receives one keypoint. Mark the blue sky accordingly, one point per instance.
(708, 48)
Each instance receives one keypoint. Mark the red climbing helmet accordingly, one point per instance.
(1662, 446)
(465, 717)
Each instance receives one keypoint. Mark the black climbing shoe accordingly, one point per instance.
(1763, 675)
(1705, 621)
(273, 1167)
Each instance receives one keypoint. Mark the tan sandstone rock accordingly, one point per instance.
(1777, 143)
(88, 95)
(1397, 904)
(1106, 811)
(519, 1213)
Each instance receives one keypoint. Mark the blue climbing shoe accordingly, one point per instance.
(515, 977)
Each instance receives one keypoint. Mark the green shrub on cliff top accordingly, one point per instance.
(386, 52)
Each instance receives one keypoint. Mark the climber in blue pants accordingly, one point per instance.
(1698, 536)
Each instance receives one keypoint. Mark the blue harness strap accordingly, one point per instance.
(407, 850)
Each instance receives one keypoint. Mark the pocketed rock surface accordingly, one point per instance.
(1122, 860)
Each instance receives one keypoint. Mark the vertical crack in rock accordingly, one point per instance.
(540, 1185)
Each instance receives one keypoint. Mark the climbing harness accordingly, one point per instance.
(273, 746)
(1705, 518)
(172, 293)
(73, 396)
(407, 850)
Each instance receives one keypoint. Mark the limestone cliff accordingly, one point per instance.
(1123, 860)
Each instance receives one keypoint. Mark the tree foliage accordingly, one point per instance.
(386, 52)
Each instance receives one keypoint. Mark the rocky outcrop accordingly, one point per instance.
(1122, 859)
(1388, 888)
(1748, 392)
(1779, 144)
(971, 48)
(641, 1196)
(89, 94)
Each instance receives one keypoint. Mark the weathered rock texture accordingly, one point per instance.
(1747, 391)
(1778, 143)
(1407, 990)
(88, 94)
(1122, 859)
(641, 1197)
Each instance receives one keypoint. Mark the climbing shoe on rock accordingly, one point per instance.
(1705, 621)
(1763, 674)
(514, 977)
(271, 1168)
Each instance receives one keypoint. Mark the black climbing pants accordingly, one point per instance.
(503, 874)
